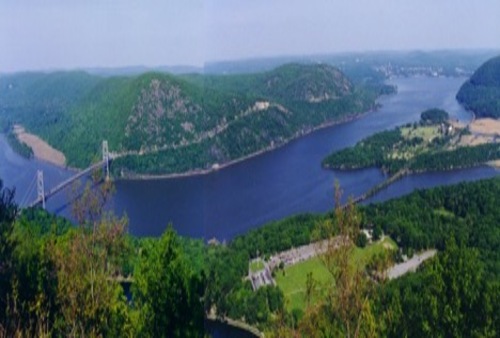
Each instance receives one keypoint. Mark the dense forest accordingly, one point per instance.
(57, 279)
(434, 116)
(430, 145)
(155, 121)
(94, 279)
(481, 93)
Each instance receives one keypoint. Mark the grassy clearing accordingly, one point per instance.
(361, 256)
(293, 281)
(425, 132)
(256, 265)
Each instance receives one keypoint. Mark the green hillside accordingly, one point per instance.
(481, 93)
(159, 123)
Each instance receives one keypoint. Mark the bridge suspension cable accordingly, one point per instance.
(28, 192)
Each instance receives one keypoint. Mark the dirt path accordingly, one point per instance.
(41, 149)
(410, 265)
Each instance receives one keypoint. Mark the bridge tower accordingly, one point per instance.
(105, 157)
(40, 187)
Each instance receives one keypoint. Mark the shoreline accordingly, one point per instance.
(494, 164)
(199, 172)
(407, 172)
(42, 151)
(235, 323)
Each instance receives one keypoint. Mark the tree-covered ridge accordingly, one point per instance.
(290, 82)
(481, 93)
(159, 123)
(432, 144)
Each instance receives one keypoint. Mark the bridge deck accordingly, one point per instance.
(67, 182)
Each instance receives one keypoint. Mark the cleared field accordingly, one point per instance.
(293, 281)
(485, 126)
(41, 149)
(427, 132)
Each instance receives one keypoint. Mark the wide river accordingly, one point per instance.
(277, 184)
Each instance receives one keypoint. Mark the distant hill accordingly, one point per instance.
(160, 123)
(446, 62)
(481, 93)
(137, 70)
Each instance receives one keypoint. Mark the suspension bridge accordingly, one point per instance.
(43, 195)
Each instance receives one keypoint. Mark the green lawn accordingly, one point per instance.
(256, 265)
(293, 281)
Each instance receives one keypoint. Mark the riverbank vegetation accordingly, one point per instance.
(430, 145)
(94, 279)
(19, 147)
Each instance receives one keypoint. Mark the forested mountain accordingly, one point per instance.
(481, 93)
(160, 123)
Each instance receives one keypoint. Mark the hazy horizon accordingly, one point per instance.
(64, 35)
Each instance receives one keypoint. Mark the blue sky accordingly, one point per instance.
(67, 34)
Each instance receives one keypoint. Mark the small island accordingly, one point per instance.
(434, 143)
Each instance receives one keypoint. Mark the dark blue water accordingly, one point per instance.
(271, 186)
(20, 173)
(220, 330)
